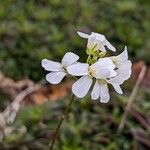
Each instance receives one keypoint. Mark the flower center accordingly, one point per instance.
(92, 72)
(102, 81)
(114, 60)
(64, 68)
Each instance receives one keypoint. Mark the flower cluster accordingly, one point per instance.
(96, 73)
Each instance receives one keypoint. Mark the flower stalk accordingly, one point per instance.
(67, 110)
(98, 71)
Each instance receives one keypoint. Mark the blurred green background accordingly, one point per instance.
(34, 29)
(31, 30)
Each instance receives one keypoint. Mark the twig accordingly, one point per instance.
(132, 97)
(9, 114)
(12, 88)
(141, 136)
(139, 118)
(143, 140)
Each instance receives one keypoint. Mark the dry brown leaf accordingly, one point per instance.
(11, 88)
(51, 92)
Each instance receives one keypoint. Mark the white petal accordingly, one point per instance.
(96, 91)
(123, 56)
(110, 46)
(113, 73)
(69, 58)
(81, 87)
(92, 43)
(104, 63)
(103, 68)
(83, 35)
(98, 37)
(78, 69)
(117, 88)
(123, 73)
(124, 64)
(51, 65)
(55, 77)
(104, 93)
(105, 73)
(125, 70)
(102, 73)
(116, 80)
(102, 48)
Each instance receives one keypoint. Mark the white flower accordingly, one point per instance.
(58, 70)
(123, 69)
(97, 41)
(101, 70)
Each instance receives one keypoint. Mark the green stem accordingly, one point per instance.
(67, 110)
(88, 59)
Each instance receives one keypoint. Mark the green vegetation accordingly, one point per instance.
(89, 126)
(31, 30)
(34, 29)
